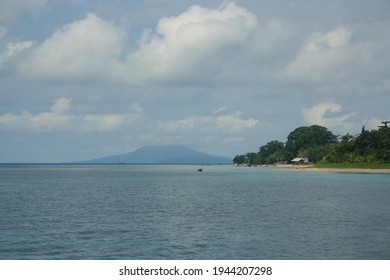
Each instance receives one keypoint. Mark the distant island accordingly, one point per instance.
(171, 154)
(317, 144)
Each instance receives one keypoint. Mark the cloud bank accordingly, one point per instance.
(176, 52)
(58, 118)
(219, 120)
(203, 46)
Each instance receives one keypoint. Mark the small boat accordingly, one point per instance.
(200, 170)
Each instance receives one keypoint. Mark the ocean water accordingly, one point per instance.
(175, 212)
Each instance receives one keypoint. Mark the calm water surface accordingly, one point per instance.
(174, 212)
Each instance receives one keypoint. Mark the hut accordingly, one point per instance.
(300, 161)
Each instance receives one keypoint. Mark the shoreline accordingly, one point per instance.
(312, 168)
(345, 170)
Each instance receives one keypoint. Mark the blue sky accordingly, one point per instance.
(83, 79)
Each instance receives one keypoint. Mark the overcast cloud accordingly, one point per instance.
(82, 79)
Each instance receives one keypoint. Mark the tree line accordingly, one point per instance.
(319, 144)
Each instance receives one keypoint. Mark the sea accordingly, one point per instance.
(170, 212)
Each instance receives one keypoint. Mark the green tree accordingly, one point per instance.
(240, 159)
(317, 143)
(308, 137)
(251, 158)
(383, 148)
(316, 153)
(367, 147)
(271, 152)
(339, 152)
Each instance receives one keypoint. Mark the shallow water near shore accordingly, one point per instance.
(175, 212)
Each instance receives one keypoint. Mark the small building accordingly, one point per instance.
(300, 161)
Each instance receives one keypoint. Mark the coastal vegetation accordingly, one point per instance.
(369, 149)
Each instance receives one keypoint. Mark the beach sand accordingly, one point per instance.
(337, 170)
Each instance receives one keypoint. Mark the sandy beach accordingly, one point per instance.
(337, 170)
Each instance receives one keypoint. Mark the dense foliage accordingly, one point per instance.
(367, 147)
(309, 141)
(317, 143)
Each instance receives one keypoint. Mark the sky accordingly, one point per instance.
(82, 79)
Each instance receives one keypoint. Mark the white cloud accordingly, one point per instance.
(109, 122)
(181, 48)
(82, 50)
(221, 131)
(329, 57)
(216, 122)
(13, 49)
(58, 119)
(61, 105)
(329, 114)
(47, 121)
(11, 9)
(202, 46)
(332, 115)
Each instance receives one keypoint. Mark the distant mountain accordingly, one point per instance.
(173, 154)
